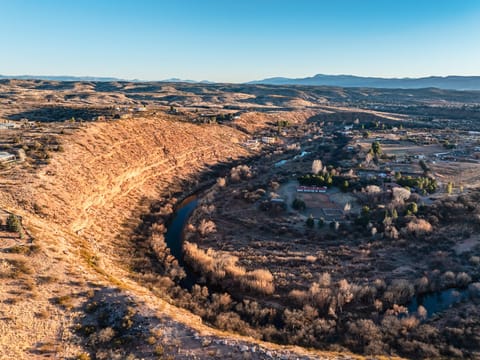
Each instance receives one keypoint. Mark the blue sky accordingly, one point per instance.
(235, 41)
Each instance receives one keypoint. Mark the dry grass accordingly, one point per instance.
(14, 268)
(219, 266)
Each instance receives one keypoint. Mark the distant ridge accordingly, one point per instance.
(451, 82)
(442, 82)
(62, 78)
(93, 78)
(177, 80)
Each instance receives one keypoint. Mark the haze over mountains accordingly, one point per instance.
(451, 82)
(446, 82)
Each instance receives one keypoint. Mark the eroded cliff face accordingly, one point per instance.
(109, 170)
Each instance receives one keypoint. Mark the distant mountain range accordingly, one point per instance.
(176, 80)
(442, 82)
(61, 78)
(92, 78)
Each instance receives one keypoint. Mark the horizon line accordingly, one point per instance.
(176, 79)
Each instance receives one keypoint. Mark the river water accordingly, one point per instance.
(438, 301)
(174, 237)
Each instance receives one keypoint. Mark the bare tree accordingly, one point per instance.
(317, 166)
(400, 194)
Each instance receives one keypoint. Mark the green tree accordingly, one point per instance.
(412, 208)
(298, 204)
(376, 148)
(394, 214)
(449, 187)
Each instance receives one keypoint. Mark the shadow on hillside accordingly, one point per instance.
(59, 114)
(113, 327)
(347, 116)
(54, 85)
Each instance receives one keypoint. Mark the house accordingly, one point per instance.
(251, 143)
(9, 125)
(6, 157)
(312, 189)
(268, 140)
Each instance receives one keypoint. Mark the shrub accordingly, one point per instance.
(218, 266)
(321, 222)
(448, 279)
(463, 279)
(83, 356)
(65, 301)
(240, 172)
(474, 289)
(299, 296)
(231, 321)
(474, 260)
(159, 351)
(221, 182)
(419, 227)
(206, 227)
(13, 223)
(422, 312)
(391, 232)
(422, 285)
(362, 333)
(106, 335)
(400, 291)
(310, 222)
(298, 204)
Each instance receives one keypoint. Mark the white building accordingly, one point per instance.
(268, 140)
(6, 157)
